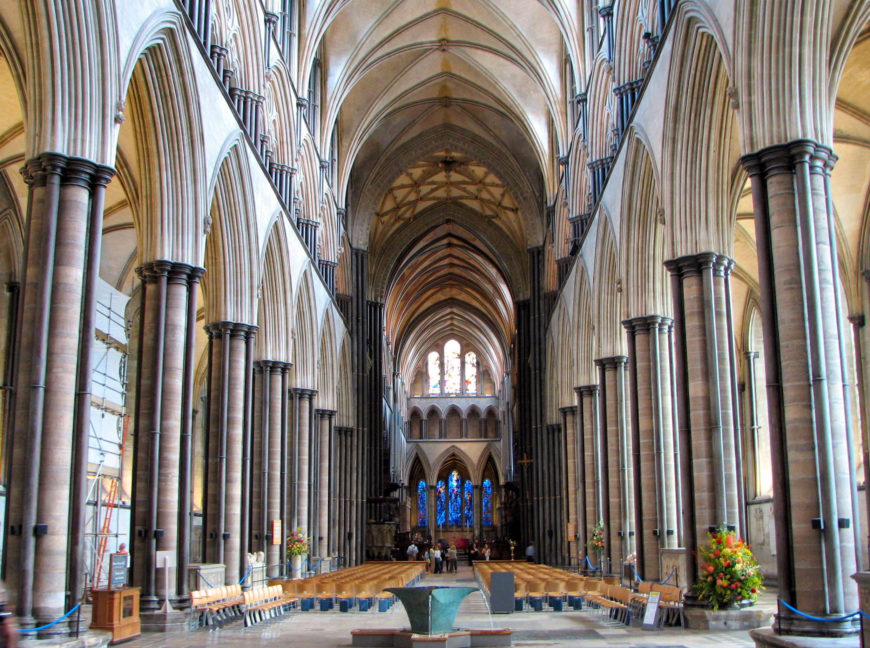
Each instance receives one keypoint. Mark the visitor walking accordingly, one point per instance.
(452, 565)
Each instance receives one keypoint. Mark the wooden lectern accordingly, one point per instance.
(117, 610)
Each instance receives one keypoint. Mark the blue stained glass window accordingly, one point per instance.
(468, 511)
(486, 499)
(441, 503)
(421, 504)
(454, 509)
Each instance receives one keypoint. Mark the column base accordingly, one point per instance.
(786, 623)
(767, 638)
(149, 604)
(174, 620)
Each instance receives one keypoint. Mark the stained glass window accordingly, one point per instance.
(471, 372)
(452, 367)
(441, 503)
(421, 504)
(468, 511)
(454, 508)
(434, 373)
(486, 500)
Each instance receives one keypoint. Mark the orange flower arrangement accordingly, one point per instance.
(729, 572)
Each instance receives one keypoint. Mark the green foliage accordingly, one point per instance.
(729, 572)
(596, 541)
(298, 543)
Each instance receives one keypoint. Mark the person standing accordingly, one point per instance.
(412, 552)
(436, 553)
(486, 552)
(451, 559)
(530, 552)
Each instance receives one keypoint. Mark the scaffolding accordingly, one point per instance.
(106, 513)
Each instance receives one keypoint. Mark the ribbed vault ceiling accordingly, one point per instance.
(451, 115)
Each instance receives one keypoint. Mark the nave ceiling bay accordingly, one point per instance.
(452, 117)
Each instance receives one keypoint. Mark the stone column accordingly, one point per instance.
(814, 507)
(614, 451)
(61, 361)
(230, 404)
(303, 446)
(147, 428)
(589, 458)
(325, 428)
(271, 459)
(477, 507)
(655, 494)
(569, 424)
(708, 410)
(56, 244)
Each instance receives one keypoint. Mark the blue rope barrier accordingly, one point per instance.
(205, 580)
(591, 566)
(247, 573)
(670, 576)
(823, 620)
(636, 575)
(55, 622)
(292, 568)
(310, 568)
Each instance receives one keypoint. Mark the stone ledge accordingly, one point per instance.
(89, 639)
(767, 638)
(390, 638)
(740, 619)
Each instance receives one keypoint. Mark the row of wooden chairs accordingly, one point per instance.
(360, 587)
(535, 585)
(264, 603)
(216, 605)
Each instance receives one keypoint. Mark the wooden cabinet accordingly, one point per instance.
(118, 612)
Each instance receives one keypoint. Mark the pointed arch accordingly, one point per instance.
(700, 141)
(644, 238)
(274, 314)
(608, 298)
(231, 257)
(585, 336)
(345, 415)
(305, 333)
(278, 119)
(327, 375)
(452, 457)
(161, 93)
(601, 102)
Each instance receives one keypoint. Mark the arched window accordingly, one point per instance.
(454, 509)
(452, 367)
(434, 373)
(422, 502)
(441, 503)
(468, 510)
(486, 500)
(471, 372)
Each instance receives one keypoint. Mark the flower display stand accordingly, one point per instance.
(296, 566)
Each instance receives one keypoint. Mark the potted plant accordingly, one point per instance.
(730, 576)
(298, 545)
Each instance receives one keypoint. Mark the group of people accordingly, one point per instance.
(436, 557)
(479, 554)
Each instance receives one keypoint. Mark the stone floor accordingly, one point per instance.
(571, 628)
